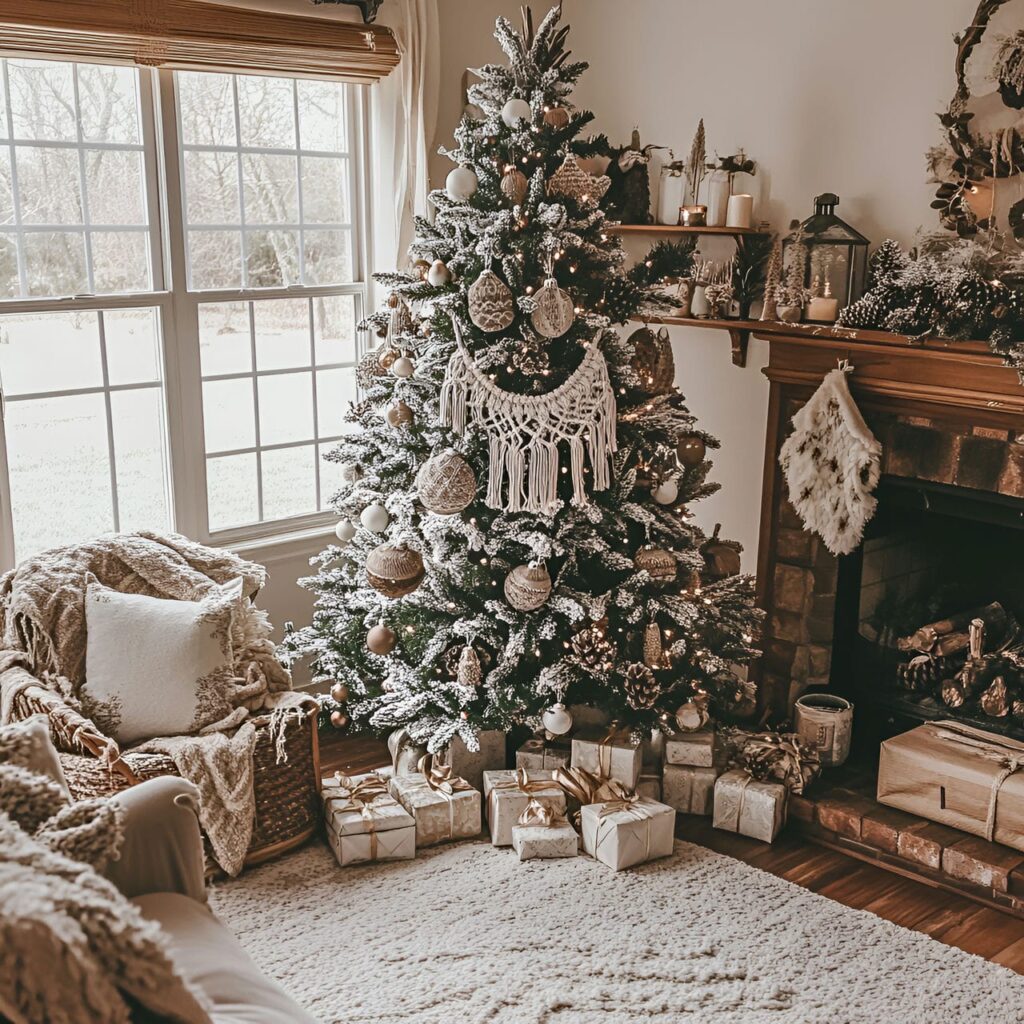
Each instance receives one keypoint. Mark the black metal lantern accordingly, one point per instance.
(837, 254)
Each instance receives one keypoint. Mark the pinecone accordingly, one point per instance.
(887, 262)
(621, 300)
(924, 672)
(642, 689)
(592, 648)
(917, 317)
(872, 310)
(965, 301)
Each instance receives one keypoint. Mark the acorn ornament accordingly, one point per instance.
(375, 518)
(345, 530)
(553, 314)
(514, 185)
(469, 672)
(399, 414)
(394, 570)
(527, 587)
(557, 720)
(721, 557)
(381, 639)
(446, 483)
(438, 274)
(658, 563)
(556, 117)
(516, 110)
(403, 367)
(490, 302)
(461, 183)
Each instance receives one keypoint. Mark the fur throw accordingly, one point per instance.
(832, 463)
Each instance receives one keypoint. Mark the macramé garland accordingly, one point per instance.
(524, 431)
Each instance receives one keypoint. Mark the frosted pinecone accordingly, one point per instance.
(887, 262)
(642, 689)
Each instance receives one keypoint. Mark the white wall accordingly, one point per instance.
(830, 96)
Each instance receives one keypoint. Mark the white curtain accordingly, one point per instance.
(404, 111)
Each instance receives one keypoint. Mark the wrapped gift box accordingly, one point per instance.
(364, 822)
(471, 764)
(649, 785)
(956, 775)
(622, 833)
(609, 754)
(545, 841)
(536, 754)
(751, 808)
(507, 794)
(445, 807)
(690, 790)
(695, 749)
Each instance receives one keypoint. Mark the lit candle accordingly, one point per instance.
(695, 216)
(823, 308)
(740, 212)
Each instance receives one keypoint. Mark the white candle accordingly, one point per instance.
(741, 210)
(699, 303)
(718, 201)
(823, 309)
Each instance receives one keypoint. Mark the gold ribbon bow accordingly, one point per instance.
(537, 813)
(626, 802)
(439, 777)
(583, 786)
(361, 796)
(1009, 759)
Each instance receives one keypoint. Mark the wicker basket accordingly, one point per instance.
(287, 792)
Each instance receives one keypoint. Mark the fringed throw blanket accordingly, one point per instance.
(42, 613)
(524, 431)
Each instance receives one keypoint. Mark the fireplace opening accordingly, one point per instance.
(935, 558)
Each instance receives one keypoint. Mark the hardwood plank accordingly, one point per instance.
(985, 933)
(1012, 956)
(351, 755)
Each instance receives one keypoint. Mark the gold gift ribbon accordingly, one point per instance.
(583, 786)
(604, 747)
(1008, 765)
(360, 796)
(439, 779)
(520, 781)
(540, 814)
(625, 802)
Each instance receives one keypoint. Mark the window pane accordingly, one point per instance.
(109, 104)
(215, 259)
(115, 187)
(120, 261)
(60, 471)
(286, 408)
(211, 185)
(324, 190)
(9, 283)
(42, 100)
(6, 197)
(334, 328)
(228, 416)
(272, 258)
(331, 482)
(327, 257)
(322, 116)
(270, 189)
(140, 457)
(266, 112)
(335, 389)
(282, 333)
(206, 108)
(48, 185)
(224, 345)
(55, 263)
(231, 491)
(289, 482)
(133, 345)
(49, 352)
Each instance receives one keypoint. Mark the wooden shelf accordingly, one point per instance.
(680, 229)
(739, 330)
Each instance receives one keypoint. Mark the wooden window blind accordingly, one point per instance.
(198, 36)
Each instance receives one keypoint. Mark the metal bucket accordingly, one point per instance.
(825, 721)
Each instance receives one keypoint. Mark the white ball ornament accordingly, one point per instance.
(557, 720)
(666, 492)
(375, 518)
(438, 275)
(461, 183)
(345, 530)
(403, 367)
(516, 110)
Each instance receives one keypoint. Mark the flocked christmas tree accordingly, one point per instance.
(515, 532)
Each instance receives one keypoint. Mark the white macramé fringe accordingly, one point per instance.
(524, 431)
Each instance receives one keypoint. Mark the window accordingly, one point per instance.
(181, 273)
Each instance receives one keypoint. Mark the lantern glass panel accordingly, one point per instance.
(837, 251)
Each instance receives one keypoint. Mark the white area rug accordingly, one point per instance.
(466, 934)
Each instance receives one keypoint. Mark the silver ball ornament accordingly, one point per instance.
(403, 367)
(375, 518)
(666, 492)
(516, 110)
(557, 720)
(461, 183)
(345, 530)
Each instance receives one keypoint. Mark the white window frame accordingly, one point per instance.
(178, 311)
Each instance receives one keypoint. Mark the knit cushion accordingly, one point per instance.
(155, 667)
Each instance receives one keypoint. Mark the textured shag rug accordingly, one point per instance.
(468, 934)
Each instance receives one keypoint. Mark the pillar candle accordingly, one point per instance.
(718, 201)
(823, 309)
(741, 209)
(698, 302)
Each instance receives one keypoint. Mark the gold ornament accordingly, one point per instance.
(339, 719)
(691, 716)
(556, 117)
(399, 414)
(554, 312)
(653, 651)
(570, 181)
(394, 570)
(387, 356)
(446, 483)
(652, 360)
(381, 640)
(469, 672)
(527, 587)
(642, 689)
(339, 693)
(514, 185)
(490, 303)
(659, 564)
(690, 450)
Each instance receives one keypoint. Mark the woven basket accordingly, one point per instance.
(287, 794)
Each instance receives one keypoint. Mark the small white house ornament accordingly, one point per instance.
(832, 463)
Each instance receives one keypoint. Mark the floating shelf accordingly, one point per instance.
(739, 330)
(680, 229)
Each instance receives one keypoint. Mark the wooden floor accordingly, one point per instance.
(945, 916)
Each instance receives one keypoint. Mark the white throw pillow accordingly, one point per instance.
(155, 667)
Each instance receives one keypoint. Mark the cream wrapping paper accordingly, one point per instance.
(649, 785)
(622, 833)
(751, 808)
(450, 811)
(609, 754)
(364, 823)
(471, 764)
(537, 755)
(688, 789)
(534, 842)
(959, 776)
(696, 749)
(507, 794)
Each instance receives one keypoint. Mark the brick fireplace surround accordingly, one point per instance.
(946, 413)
